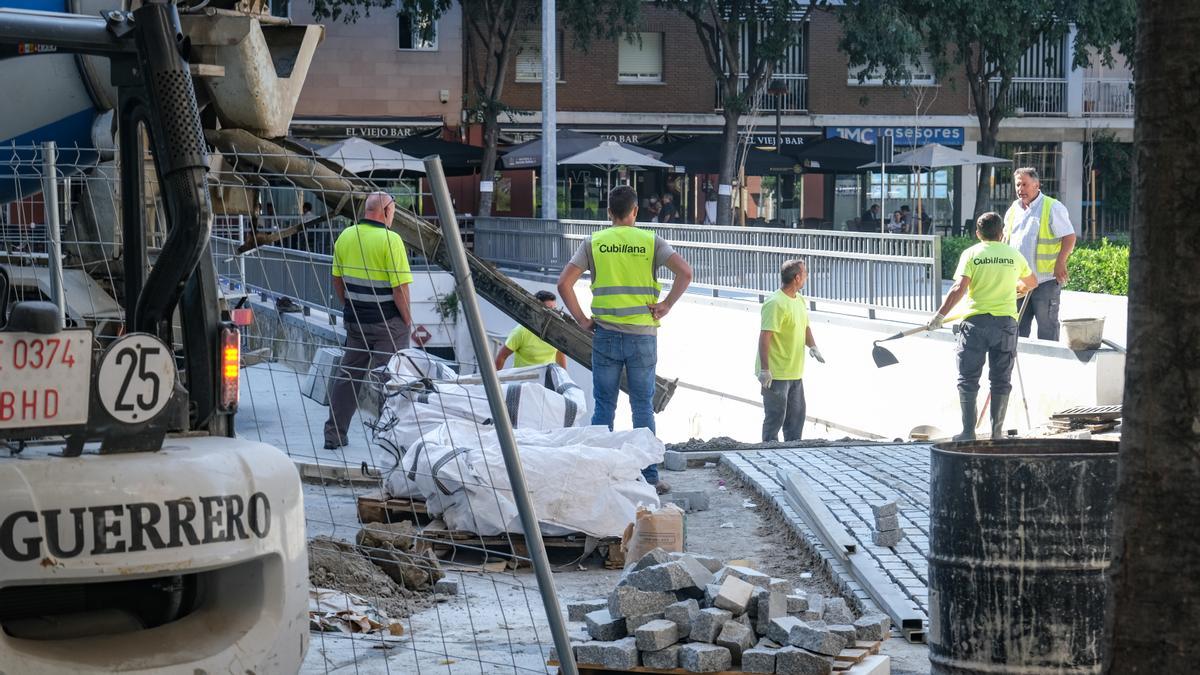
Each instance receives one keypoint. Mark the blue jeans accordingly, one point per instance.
(637, 355)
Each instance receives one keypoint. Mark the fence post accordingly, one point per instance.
(53, 235)
(503, 425)
(936, 274)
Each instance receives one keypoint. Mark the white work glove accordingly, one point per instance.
(816, 354)
(765, 378)
(936, 322)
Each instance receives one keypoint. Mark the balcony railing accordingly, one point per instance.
(1035, 96)
(794, 100)
(1108, 97)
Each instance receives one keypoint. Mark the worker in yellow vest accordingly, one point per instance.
(528, 349)
(623, 261)
(1040, 228)
(371, 277)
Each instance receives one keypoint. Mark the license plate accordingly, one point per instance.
(45, 380)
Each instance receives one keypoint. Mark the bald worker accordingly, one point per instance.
(371, 277)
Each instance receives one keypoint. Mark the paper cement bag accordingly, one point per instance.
(653, 528)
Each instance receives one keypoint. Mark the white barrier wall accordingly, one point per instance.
(709, 343)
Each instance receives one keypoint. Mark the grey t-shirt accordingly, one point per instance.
(583, 260)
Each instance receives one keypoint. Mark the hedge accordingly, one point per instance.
(1094, 267)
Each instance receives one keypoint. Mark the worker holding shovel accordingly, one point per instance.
(989, 274)
(784, 334)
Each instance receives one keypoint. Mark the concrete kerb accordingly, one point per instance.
(839, 573)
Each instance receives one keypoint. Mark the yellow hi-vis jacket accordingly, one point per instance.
(623, 280)
(1048, 246)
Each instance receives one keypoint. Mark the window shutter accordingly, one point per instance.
(641, 62)
(529, 56)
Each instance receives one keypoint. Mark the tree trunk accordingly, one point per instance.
(1155, 592)
(983, 187)
(487, 171)
(729, 144)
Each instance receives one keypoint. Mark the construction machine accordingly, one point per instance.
(137, 533)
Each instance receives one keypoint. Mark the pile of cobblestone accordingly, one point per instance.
(682, 610)
(887, 530)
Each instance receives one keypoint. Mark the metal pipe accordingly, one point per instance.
(504, 431)
(67, 32)
(549, 111)
(53, 233)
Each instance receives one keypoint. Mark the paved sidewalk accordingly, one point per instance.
(848, 479)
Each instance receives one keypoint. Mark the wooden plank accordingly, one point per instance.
(851, 655)
(373, 507)
(816, 514)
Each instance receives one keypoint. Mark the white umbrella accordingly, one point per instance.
(935, 156)
(358, 156)
(610, 155)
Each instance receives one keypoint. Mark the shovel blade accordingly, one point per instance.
(883, 357)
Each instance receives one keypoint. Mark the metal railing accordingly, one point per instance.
(1035, 95)
(874, 271)
(794, 100)
(299, 275)
(1108, 97)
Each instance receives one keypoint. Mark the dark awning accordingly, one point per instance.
(458, 159)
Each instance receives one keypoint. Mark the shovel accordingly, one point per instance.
(884, 358)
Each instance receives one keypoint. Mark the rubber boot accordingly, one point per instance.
(999, 407)
(967, 403)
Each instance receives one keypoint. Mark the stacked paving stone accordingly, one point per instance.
(691, 612)
(887, 524)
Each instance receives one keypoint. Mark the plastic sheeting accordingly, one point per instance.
(438, 428)
(582, 479)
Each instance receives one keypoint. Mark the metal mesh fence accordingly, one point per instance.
(393, 587)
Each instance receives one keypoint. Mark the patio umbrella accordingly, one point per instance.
(936, 156)
(703, 155)
(832, 155)
(458, 159)
(610, 155)
(568, 143)
(359, 157)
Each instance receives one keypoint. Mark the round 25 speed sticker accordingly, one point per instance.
(136, 378)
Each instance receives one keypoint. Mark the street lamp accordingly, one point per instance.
(778, 89)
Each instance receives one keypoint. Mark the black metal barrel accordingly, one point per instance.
(1019, 548)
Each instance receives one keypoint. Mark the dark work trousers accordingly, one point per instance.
(368, 346)
(1044, 306)
(994, 338)
(783, 405)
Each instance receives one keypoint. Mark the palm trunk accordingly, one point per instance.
(729, 143)
(1156, 571)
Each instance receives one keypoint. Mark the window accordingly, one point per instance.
(529, 56)
(922, 73)
(417, 32)
(281, 8)
(640, 60)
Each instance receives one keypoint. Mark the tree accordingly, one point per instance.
(742, 38)
(1155, 598)
(986, 39)
(490, 44)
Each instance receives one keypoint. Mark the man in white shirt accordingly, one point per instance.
(1039, 226)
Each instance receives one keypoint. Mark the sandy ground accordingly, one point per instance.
(497, 625)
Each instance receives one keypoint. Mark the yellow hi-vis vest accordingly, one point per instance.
(1048, 246)
(623, 280)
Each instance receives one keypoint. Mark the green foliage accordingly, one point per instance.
(1101, 267)
(1114, 160)
(952, 248)
(1094, 267)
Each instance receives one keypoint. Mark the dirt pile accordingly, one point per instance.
(337, 564)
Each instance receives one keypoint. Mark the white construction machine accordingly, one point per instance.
(137, 533)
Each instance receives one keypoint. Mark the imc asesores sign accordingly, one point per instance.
(901, 135)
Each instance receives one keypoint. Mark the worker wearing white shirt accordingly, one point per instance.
(1039, 226)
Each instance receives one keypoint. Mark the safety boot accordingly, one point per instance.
(999, 407)
(967, 403)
